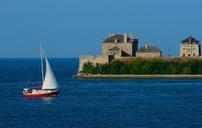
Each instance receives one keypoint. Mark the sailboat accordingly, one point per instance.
(49, 86)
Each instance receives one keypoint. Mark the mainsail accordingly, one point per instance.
(49, 80)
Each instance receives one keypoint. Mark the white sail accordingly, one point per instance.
(49, 80)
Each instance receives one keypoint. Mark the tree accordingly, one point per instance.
(135, 66)
(199, 71)
(186, 70)
(146, 68)
(125, 69)
(116, 67)
(87, 67)
(105, 69)
(143, 66)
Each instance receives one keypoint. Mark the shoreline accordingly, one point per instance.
(136, 76)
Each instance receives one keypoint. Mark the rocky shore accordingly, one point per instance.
(136, 76)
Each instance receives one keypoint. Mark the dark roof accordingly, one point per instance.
(114, 49)
(148, 48)
(190, 40)
(118, 37)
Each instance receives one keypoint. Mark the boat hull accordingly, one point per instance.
(41, 93)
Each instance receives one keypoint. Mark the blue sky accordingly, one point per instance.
(69, 28)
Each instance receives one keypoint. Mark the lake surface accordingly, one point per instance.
(96, 103)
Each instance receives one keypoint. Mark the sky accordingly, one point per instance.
(69, 28)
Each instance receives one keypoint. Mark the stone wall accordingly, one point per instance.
(93, 60)
(128, 48)
(148, 54)
(190, 50)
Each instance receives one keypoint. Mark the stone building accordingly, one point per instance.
(120, 45)
(190, 47)
(115, 46)
(148, 51)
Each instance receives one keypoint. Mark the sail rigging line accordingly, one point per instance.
(43, 52)
(42, 66)
(27, 84)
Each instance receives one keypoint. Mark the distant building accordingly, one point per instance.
(120, 45)
(148, 51)
(115, 46)
(190, 47)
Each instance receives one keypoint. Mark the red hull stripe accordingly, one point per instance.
(42, 94)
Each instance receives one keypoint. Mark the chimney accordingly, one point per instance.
(111, 34)
(116, 41)
(146, 46)
(190, 39)
(125, 38)
(132, 36)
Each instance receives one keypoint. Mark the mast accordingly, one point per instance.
(42, 69)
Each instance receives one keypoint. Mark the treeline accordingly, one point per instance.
(143, 66)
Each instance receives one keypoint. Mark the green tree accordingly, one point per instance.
(125, 69)
(88, 68)
(135, 66)
(116, 67)
(146, 68)
(199, 71)
(105, 69)
(186, 70)
(143, 66)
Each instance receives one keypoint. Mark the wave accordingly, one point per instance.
(7, 83)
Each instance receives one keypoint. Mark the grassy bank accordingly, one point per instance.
(140, 66)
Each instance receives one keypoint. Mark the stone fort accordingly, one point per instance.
(118, 45)
(114, 46)
(190, 47)
(126, 45)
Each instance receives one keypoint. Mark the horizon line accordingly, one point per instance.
(37, 57)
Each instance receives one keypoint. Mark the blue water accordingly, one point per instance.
(96, 103)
